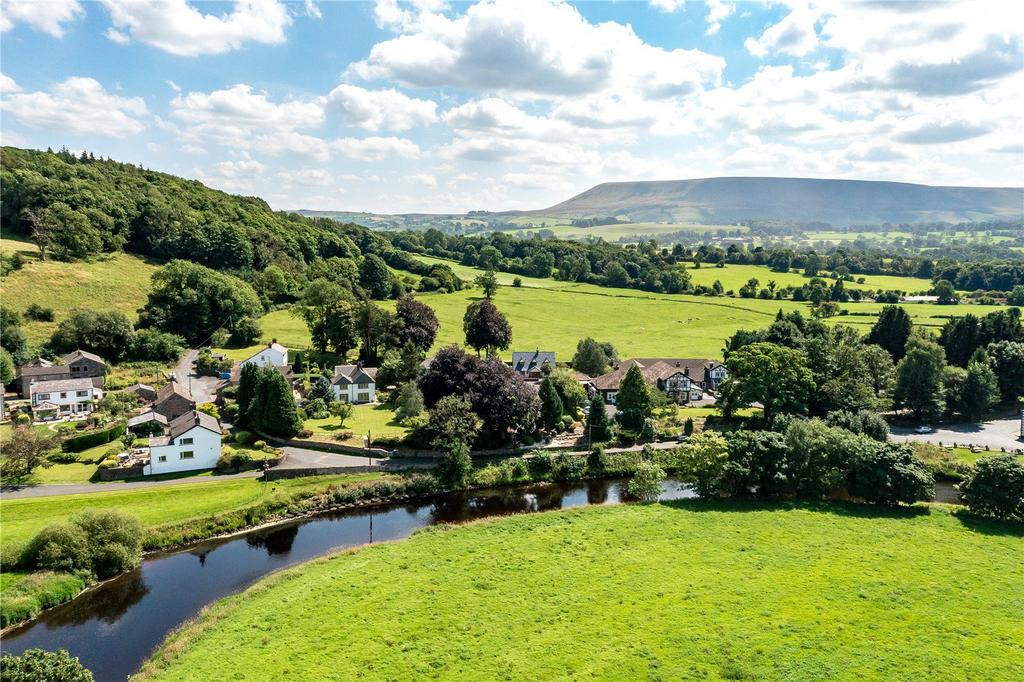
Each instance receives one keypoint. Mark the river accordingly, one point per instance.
(114, 627)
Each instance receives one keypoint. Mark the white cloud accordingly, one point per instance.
(172, 85)
(538, 48)
(48, 17)
(312, 10)
(293, 144)
(311, 177)
(375, 148)
(177, 27)
(77, 105)
(423, 179)
(378, 110)
(232, 116)
(668, 6)
(7, 84)
(718, 11)
(794, 35)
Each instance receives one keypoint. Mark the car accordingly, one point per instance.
(682, 438)
(923, 429)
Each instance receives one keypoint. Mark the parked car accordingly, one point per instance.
(682, 438)
(923, 429)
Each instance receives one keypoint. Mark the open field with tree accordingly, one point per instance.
(114, 281)
(157, 506)
(674, 591)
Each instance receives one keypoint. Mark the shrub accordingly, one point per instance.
(109, 463)
(645, 484)
(456, 467)
(115, 541)
(91, 440)
(996, 487)
(38, 313)
(37, 665)
(597, 460)
(22, 419)
(890, 475)
(541, 464)
(702, 462)
(59, 547)
(567, 422)
(233, 460)
(688, 426)
(63, 457)
(260, 445)
(648, 431)
(569, 467)
(243, 437)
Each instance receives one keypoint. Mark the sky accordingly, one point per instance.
(434, 106)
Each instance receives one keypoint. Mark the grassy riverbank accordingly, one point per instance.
(664, 591)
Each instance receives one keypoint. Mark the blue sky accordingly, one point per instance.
(432, 106)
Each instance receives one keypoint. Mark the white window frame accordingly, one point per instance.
(187, 454)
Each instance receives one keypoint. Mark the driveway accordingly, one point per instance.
(992, 435)
(204, 389)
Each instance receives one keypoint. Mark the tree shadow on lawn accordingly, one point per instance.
(980, 524)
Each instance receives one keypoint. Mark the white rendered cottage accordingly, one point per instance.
(63, 397)
(354, 383)
(192, 442)
(274, 355)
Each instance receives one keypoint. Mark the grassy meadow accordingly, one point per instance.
(156, 506)
(377, 420)
(551, 315)
(735, 276)
(118, 281)
(690, 590)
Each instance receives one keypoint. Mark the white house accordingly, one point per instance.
(63, 397)
(354, 383)
(192, 442)
(274, 355)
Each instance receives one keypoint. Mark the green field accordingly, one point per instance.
(735, 276)
(377, 420)
(548, 314)
(156, 506)
(660, 592)
(117, 281)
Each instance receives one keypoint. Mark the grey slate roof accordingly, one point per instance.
(58, 385)
(354, 374)
(185, 423)
(146, 417)
(532, 361)
(75, 354)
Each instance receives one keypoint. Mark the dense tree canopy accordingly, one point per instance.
(194, 301)
(773, 375)
(486, 328)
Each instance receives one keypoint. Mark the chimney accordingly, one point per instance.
(272, 342)
(686, 371)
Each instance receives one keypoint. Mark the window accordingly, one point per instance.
(185, 441)
(364, 386)
(42, 396)
(63, 395)
(363, 397)
(187, 454)
(162, 458)
(82, 394)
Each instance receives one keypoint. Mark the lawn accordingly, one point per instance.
(159, 505)
(735, 276)
(551, 315)
(117, 281)
(663, 592)
(377, 420)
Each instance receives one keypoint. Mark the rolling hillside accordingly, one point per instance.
(840, 202)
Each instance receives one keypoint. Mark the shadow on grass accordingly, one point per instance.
(980, 524)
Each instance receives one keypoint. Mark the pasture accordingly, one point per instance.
(686, 590)
(117, 281)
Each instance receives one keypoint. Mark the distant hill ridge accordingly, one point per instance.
(840, 202)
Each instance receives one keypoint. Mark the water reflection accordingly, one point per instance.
(114, 627)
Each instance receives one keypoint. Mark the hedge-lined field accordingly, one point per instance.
(667, 591)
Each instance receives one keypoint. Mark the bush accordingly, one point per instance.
(63, 457)
(569, 467)
(456, 467)
(115, 541)
(645, 485)
(567, 422)
(996, 487)
(597, 460)
(243, 437)
(260, 445)
(648, 431)
(91, 440)
(890, 475)
(99, 543)
(59, 547)
(37, 665)
(233, 460)
(38, 313)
